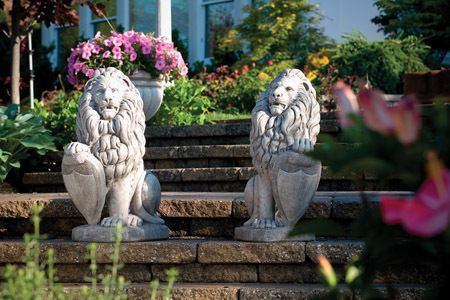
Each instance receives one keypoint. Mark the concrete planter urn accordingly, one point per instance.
(151, 90)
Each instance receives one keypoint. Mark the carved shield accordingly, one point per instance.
(84, 179)
(293, 194)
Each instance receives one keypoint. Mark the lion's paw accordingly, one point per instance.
(304, 145)
(76, 147)
(264, 223)
(111, 221)
(134, 220)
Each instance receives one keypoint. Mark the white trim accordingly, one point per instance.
(196, 31)
(164, 18)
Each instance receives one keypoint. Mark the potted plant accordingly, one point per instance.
(149, 61)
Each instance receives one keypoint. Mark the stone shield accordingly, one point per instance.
(84, 179)
(297, 179)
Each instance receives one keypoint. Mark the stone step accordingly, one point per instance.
(258, 291)
(214, 261)
(186, 214)
(220, 179)
(216, 134)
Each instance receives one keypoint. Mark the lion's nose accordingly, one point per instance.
(277, 94)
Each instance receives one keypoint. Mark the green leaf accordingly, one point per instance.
(14, 164)
(12, 111)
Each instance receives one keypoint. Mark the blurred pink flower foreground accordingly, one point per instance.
(402, 120)
(428, 214)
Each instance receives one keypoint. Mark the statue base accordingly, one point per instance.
(97, 233)
(247, 233)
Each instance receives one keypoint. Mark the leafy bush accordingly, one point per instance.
(384, 62)
(183, 104)
(276, 30)
(19, 135)
(60, 115)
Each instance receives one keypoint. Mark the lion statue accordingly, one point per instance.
(105, 164)
(285, 124)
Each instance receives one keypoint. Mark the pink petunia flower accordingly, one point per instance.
(89, 73)
(107, 43)
(106, 54)
(159, 64)
(133, 56)
(146, 50)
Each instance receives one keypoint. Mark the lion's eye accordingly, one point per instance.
(100, 91)
(289, 88)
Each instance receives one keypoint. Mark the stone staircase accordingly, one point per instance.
(203, 171)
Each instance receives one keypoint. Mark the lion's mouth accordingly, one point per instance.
(278, 105)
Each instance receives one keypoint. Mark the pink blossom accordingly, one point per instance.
(96, 49)
(146, 50)
(159, 64)
(117, 41)
(97, 35)
(106, 54)
(270, 62)
(184, 71)
(77, 66)
(375, 112)
(89, 73)
(346, 102)
(406, 116)
(133, 56)
(107, 43)
(428, 214)
(86, 54)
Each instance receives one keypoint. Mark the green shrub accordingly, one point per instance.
(183, 104)
(60, 116)
(384, 62)
(19, 135)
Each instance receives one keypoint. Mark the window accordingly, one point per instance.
(104, 24)
(144, 17)
(67, 38)
(219, 19)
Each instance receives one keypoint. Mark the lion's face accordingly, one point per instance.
(283, 93)
(108, 93)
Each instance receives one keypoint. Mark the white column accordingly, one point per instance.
(84, 24)
(196, 31)
(123, 14)
(164, 18)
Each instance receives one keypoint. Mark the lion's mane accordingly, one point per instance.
(275, 134)
(119, 143)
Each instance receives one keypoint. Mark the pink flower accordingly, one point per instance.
(86, 54)
(253, 64)
(428, 214)
(89, 73)
(97, 35)
(117, 53)
(96, 49)
(184, 71)
(270, 62)
(117, 41)
(346, 102)
(407, 122)
(375, 111)
(245, 69)
(107, 43)
(77, 66)
(133, 56)
(106, 54)
(159, 64)
(146, 49)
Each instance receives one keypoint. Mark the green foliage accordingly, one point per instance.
(19, 135)
(386, 157)
(31, 281)
(36, 279)
(60, 115)
(384, 62)
(426, 18)
(184, 104)
(278, 30)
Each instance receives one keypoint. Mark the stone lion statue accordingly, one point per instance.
(285, 124)
(105, 164)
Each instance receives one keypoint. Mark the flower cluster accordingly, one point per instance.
(129, 52)
(428, 213)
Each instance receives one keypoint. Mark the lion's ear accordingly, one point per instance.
(306, 86)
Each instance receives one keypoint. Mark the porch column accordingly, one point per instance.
(164, 16)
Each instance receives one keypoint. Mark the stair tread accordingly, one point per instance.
(256, 291)
(337, 205)
(203, 251)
